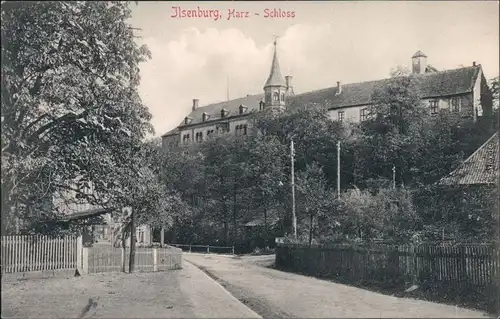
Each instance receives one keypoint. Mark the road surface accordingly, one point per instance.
(276, 294)
(185, 293)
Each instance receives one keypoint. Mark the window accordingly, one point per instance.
(222, 127)
(243, 109)
(241, 129)
(261, 105)
(434, 106)
(210, 132)
(199, 137)
(364, 114)
(205, 116)
(276, 97)
(283, 97)
(268, 97)
(340, 116)
(186, 138)
(455, 104)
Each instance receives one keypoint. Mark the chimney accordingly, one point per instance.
(289, 86)
(474, 63)
(339, 88)
(195, 104)
(419, 62)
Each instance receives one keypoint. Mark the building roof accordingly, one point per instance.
(275, 78)
(431, 84)
(85, 214)
(481, 168)
(419, 54)
(172, 132)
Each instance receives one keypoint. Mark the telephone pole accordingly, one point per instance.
(338, 169)
(393, 176)
(294, 218)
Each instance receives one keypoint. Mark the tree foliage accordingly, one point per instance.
(69, 100)
(246, 177)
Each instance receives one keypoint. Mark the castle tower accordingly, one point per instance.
(419, 62)
(275, 88)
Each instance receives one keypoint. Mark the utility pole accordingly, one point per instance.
(338, 169)
(294, 218)
(393, 177)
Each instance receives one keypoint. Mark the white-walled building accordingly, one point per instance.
(462, 90)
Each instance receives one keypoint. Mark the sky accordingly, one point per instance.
(321, 43)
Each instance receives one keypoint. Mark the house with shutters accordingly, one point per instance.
(463, 90)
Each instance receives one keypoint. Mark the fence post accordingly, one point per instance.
(85, 260)
(233, 250)
(155, 259)
(208, 248)
(79, 253)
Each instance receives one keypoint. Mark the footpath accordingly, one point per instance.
(184, 293)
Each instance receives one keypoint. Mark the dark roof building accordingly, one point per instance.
(468, 84)
(481, 168)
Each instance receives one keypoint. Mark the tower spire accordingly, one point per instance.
(275, 78)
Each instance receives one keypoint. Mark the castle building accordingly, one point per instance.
(463, 90)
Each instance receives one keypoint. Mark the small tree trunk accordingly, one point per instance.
(124, 245)
(162, 237)
(131, 262)
(235, 225)
(266, 235)
(174, 230)
(226, 223)
(310, 229)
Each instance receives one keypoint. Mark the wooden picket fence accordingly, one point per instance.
(109, 259)
(469, 272)
(38, 253)
(459, 266)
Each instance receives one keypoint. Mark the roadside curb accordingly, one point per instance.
(218, 282)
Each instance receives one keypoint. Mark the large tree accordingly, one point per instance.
(69, 99)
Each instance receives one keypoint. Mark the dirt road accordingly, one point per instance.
(185, 293)
(272, 293)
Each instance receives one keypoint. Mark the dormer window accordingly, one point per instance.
(243, 109)
(223, 113)
(205, 116)
(187, 120)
